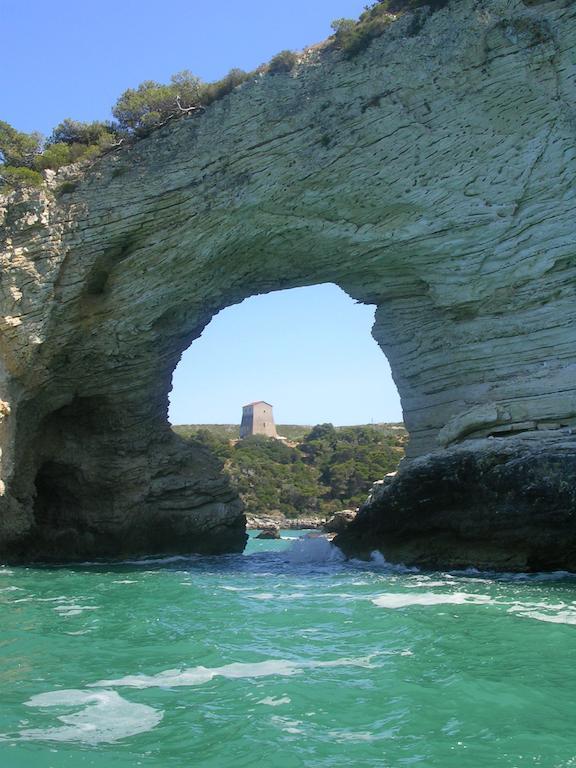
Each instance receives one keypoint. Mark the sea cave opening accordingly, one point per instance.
(309, 353)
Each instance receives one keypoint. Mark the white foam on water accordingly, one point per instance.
(73, 610)
(34, 599)
(553, 613)
(125, 581)
(518, 605)
(362, 661)
(167, 560)
(427, 582)
(270, 701)
(345, 736)
(314, 594)
(313, 549)
(562, 617)
(106, 717)
(430, 598)
(377, 559)
(279, 597)
(173, 678)
(287, 725)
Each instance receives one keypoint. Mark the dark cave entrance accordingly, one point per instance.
(73, 495)
(59, 490)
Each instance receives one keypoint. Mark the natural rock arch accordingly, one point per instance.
(433, 176)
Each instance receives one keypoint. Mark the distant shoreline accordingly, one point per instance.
(259, 522)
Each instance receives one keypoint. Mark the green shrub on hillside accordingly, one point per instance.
(285, 61)
(12, 177)
(54, 157)
(137, 111)
(18, 149)
(354, 36)
(73, 132)
(149, 105)
(25, 154)
(399, 6)
(272, 476)
(351, 458)
(141, 108)
(351, 36)
(211, 92)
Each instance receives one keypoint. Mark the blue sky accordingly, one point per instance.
(73, 59)
(307, 351)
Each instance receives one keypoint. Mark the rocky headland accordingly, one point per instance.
(432, 175)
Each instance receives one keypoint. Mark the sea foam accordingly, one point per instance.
(430, 598)
(173, 678)
(313, 549)
(270, 701)
(563, 617)
(106, 717)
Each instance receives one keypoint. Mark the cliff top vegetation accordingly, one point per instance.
(138, 111)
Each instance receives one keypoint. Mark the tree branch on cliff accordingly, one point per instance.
(187, 110)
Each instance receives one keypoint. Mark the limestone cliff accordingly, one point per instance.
(432, 175)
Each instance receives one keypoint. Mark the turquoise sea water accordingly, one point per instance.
(286, 656)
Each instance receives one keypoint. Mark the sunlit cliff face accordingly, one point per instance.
(432, 175)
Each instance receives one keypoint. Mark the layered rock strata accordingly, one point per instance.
(433, 175)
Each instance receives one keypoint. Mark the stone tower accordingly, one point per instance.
(257, 419)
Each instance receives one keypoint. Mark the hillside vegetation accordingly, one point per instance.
(138, 111)
(294, 432)
(323, 468)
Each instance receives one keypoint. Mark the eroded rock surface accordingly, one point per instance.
(433, 175)
(339, 521)
(508, 505)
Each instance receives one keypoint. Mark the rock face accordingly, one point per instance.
(340, 521)
(270, 532)
(506, 504)
(433, 175)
